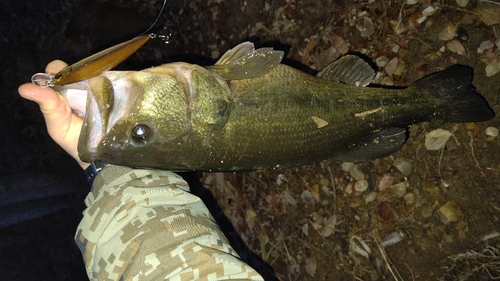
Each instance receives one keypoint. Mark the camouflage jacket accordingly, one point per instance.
(145, 225)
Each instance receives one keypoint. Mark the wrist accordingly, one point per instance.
(83, 165)
(93, 170)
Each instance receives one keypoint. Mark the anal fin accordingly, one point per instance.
(376, 145)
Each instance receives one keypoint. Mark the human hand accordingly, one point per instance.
(63, 126)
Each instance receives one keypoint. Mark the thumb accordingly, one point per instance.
(54, 107)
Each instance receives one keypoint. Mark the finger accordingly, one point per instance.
(55, 66)
(62, 125)
(54, 107)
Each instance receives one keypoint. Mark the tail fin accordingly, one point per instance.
(459, 100)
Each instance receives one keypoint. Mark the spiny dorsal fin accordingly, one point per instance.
(350, 70)
(243, 62)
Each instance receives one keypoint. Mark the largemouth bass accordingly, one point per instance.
(250, 112)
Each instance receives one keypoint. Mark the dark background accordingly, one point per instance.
(42, 189)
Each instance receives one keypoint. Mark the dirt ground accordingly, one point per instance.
(425, 215)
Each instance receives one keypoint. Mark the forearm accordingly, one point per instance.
(145, 225)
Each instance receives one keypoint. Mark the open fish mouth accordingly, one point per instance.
(101, 101)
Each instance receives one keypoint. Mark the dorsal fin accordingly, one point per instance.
(350, 70)
(243, 62)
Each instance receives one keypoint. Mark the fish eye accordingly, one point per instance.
(141, 132)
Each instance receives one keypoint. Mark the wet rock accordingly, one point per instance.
(462, 34)
(462, 3)
(361, 185)
(399, 189)
(385, 183)
(392, 239)
(307, 197)
(492, 68)
(365, 27)
(370, 197)
(391, 66)
(456, 47)
(437, 139)
(353, 170)
(382, 61)
(403, 166)
(449, 212)
(409, 198)
(426, 211)
(400, 70)
(491, 132)
(485, 45)
(448, 32)
(311, 266)
(325, 191)
(385, 211)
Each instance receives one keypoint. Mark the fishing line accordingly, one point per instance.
(99, 62)
(164, 38)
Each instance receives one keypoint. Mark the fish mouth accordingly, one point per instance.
(101, 101)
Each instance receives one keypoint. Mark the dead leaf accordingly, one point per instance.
(311, 266)
(329, 226)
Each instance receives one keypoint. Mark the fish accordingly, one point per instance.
(249, 111)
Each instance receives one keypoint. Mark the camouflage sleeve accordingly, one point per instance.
(145, 225)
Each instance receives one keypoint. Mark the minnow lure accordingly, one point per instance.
(91, 66)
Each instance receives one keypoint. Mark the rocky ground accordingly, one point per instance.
(418, 215)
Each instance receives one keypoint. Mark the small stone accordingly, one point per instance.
(426, 211)
(462, 3)
(307, 197)
(456, 47)
(399, 189)
(462, 34)
(403, 166)
(315, 192)
(366, 27)
(381, 61)
(448, 32)
(437, 139)
(386, 211)
(361, 185)
(346, 166)
(492, 68)
(356, 173)
(409, 198)
(448, 212)
(485, 45)
(429, 11)
(411, 2)
(349, 189)
(325, 191)
(400, 69)
(395, 48)
(390, 67)
(392, 239)
(492, 132)
(385, 183)
(371, 197)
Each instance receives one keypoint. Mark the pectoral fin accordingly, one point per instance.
(350, 70)
(375, 145)
(243, 62)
